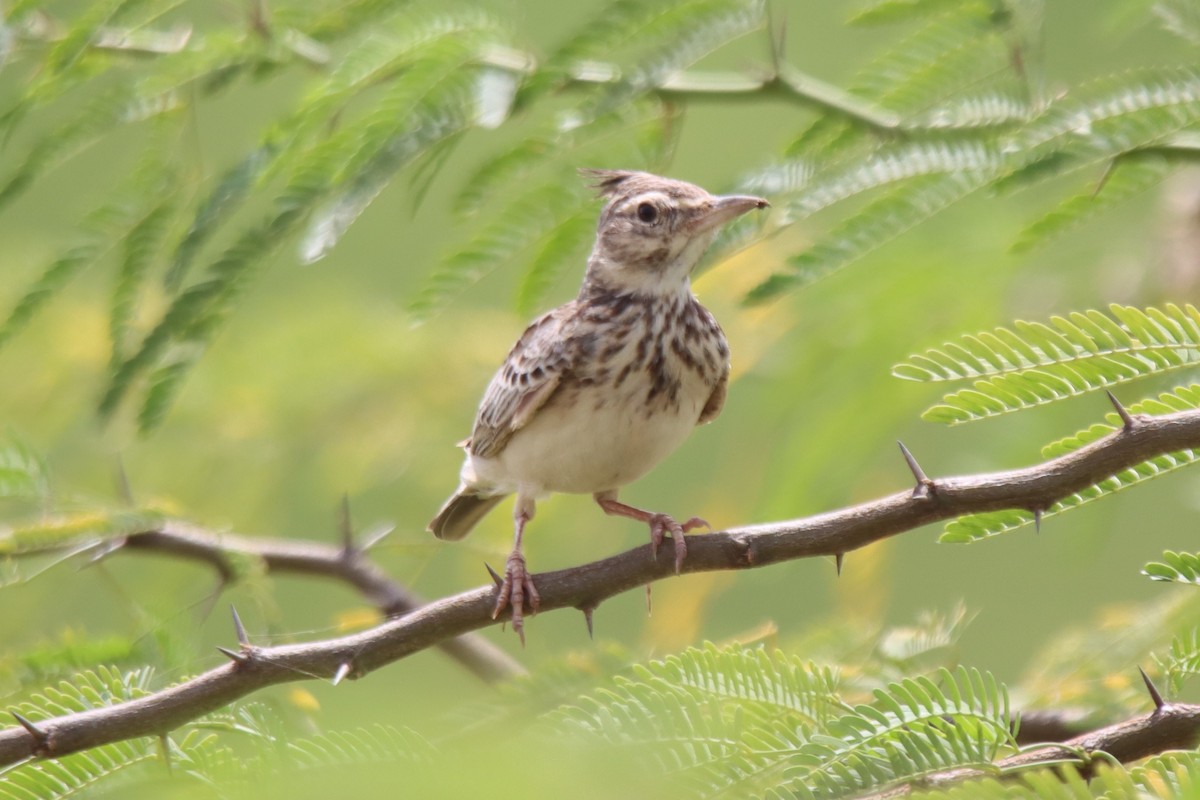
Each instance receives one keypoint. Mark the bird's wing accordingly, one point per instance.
(528, 378)
(716, 400)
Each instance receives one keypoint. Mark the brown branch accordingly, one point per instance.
(1172, 726)
(584, 587)
(345, 564)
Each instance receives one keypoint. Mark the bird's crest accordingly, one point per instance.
(607, 182)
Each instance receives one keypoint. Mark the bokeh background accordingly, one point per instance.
(322, 385)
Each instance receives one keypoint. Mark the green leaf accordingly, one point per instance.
(75, 532)
(1180, 17)
(528, 224)
(890, 11)
(1117, 115)
(879, 222)
(1040, 363)
(1127, 177)
(229, 193)
(982, 526)
(141, 246)
(23, 473)
(1175, 568)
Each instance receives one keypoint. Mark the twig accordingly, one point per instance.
(315, 559)
(1170, 726)
(586, 586)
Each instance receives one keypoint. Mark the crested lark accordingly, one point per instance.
(598, 391)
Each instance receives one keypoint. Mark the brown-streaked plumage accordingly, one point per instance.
(598, 391)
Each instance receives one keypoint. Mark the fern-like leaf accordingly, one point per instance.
(881, 221)
(981, 526)
(1175, 567)
(23, 472)
(1180, 17)
(1182, 660)
(141, 245)
(1117, 115)
(754, 680)
(377, 744)
(882, 12)
(1040, 363)
(521, 227)
(223, 200)
(914, 727)
(1174, 774)
(75, 531)
(1127, 177)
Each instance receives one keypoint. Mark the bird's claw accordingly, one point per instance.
(661, 524)
(515, 591)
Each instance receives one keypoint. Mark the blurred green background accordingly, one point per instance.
(321, 385)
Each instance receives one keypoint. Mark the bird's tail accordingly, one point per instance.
(461, 513)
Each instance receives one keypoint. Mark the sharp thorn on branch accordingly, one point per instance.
(1037, 520)
(376, 534)
(496, 579)
(232, 655)
(649, 605)
(164, 749)
(1153, 690)
(342, 671)
(239, 628)
(587, 617)
(839, 559)
(103, 550)
(924, 485)
(1127, 419)
(346, 528)
(37, 733)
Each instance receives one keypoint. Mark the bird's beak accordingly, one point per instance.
(725, 208)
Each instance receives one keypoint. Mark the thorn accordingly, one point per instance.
(1150, 687)
(375, 534)
(495, 576)
(924, 485)
(587, 616)
(239, 628)
(164, 747)
(1037, 520)
(103, 550)
(232, 655)
(346, 528)
(124, 490)
(649, 605)
(1122, 412)
(342, 671)
(840, 559)
(37, 733)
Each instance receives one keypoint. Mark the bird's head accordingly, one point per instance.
(653, 230)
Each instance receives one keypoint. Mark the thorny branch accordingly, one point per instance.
(347, 564)
(830, 534)
(1170, 726)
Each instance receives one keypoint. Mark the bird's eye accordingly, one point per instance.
(647, 213)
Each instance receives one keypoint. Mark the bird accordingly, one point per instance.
(598, 391)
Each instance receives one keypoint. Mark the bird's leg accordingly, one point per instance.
(660, 524)
(517, 586)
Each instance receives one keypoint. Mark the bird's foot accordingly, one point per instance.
(515, 591)
(662, 524)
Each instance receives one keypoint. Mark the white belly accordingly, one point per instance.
(592, 442)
